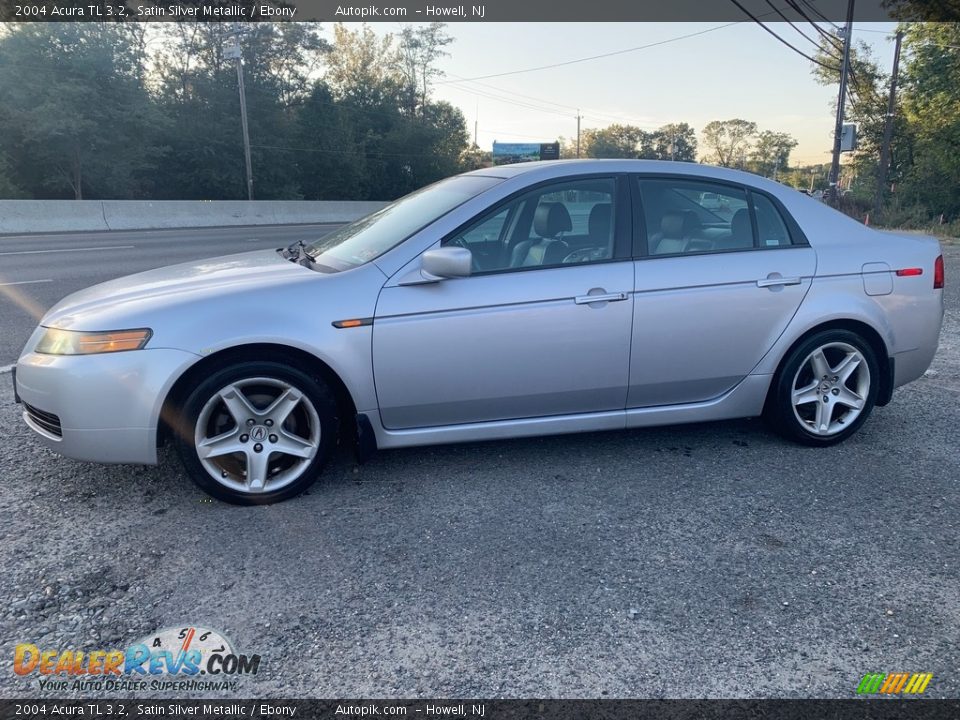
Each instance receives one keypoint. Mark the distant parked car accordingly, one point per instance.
(472, 310)
(711, 201)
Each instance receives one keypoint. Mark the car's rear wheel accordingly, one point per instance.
(825, 389)
(257, 432)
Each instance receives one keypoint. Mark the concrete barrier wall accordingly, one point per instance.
(42, 216)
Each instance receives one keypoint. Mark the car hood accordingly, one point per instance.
(174, 285)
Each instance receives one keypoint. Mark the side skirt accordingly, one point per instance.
(744, 400)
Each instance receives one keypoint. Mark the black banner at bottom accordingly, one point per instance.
(858, 709)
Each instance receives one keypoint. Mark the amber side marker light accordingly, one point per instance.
(341, 324)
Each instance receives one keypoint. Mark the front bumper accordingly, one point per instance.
(108, 405)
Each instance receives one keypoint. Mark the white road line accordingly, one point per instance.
(66, 250)
(26, 282)
(5, 369)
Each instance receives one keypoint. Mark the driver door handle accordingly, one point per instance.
(777, 281)
(600, 297)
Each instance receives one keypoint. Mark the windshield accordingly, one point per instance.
(370, 237)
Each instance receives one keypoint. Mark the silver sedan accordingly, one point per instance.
(520, 300)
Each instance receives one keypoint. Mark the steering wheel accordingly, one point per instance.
(585, 255)
(461, 243)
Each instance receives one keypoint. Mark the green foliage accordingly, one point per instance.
(771, 152)
(924, 171)
(114, 110)
(727, 142)
(931, 113)
(78, 121)
(676, 141)
(614, 141)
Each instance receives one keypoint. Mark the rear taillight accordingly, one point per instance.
(938, 274)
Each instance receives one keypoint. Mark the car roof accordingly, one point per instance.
(547, 169)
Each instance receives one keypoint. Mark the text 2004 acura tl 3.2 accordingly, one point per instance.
(520, 300)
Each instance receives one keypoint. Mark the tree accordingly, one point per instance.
(197, 92)
(676, 141)
(614, 141)
(82, 126)
(930, 147)
(362, 69)
(8, 188)
(420, 48)
(771, 153)
(727, 142)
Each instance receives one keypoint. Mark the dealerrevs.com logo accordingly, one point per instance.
(894, 683)
(181, 659)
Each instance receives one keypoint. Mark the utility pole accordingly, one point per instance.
(234, 52)
(578, 132)
(888, 128)
(476, 122)
(833, 189)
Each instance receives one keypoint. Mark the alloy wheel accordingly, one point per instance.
(257, 435)
(830, 388)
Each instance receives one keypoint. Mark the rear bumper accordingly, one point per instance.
(108, 406)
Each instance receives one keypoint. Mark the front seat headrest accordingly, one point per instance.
(551, 219)
(671, 225)
(691, 223)
(740, 225)
(599, 223)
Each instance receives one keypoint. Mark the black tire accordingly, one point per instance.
(798, 425)
(259, 379)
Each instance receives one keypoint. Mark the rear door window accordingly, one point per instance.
(691, 216)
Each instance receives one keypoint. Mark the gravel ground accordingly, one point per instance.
(706, 560)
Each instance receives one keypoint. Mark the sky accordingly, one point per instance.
(738, 71)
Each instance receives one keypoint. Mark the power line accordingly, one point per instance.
(593, 57)
(820, 14)
(789, 45)
(779, 12)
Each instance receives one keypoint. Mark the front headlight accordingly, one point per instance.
(71, 342)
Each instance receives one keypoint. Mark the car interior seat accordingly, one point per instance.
(550, 222)
(741, 233)
(670, 239)
(599, 226)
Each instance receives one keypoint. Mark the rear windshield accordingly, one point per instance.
(372, 236)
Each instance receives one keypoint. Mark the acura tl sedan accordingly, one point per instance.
(530, 299)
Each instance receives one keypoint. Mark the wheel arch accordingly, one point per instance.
(868, 333)
(170, 420)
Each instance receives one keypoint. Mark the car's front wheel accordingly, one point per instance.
(825, 389)
(257, 432)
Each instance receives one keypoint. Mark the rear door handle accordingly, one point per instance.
(600, 297)
(777, 281)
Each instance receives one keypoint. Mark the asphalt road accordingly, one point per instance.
(38, 270)
(705, 560)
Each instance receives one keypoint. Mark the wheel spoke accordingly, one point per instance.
(807, 394)
(292, 445)
(849, 398)
(284, 404)
(257, 463)
(223, 444)
(823, 417)
(238, 405)
(818, 361)
(847, 366)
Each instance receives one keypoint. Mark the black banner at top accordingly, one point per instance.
(538, 11)
(274, 709)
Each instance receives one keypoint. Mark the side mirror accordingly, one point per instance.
(446, 262)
